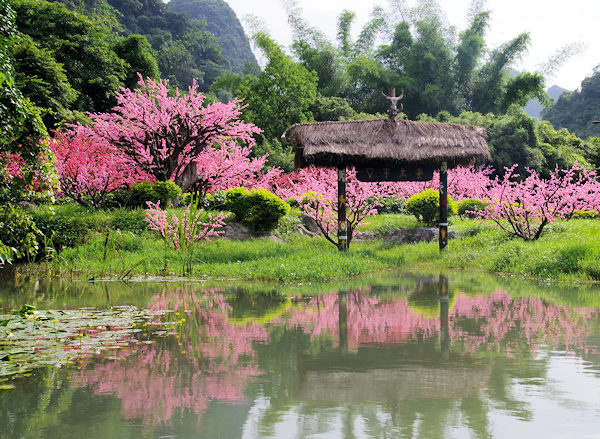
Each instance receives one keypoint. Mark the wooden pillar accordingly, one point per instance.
(342, 221)
(443, 235)
(444, 321)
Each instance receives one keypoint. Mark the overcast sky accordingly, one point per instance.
(551, 24)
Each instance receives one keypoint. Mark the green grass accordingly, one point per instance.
(566, 251)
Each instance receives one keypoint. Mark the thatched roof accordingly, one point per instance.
(381, 141)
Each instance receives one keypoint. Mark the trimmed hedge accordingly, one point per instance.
(258, 209)
(425, 206)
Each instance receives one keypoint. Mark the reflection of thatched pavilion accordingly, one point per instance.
(383, 143)
(388, 150)
(407, 382)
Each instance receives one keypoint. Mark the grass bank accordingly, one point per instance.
(566, 251)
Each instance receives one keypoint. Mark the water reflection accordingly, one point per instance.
(424, 357)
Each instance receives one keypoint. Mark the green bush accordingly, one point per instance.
(391, 205)
(586, 214)
(258, 209)
(165, 190)
(470, 204)
(425, 206)
(68, 225)
(145, 191)
(19, 232)
(129, 220)
(214, 201)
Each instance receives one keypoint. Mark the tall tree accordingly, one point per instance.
(25, 161)
(80, 45)
(281, 95)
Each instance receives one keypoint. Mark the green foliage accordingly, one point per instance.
(80, 44)
(145, 191)
(281, 95)
(21, 126)
(425, 206)
(137, 53)
(332, 108)
(258, 209)
(67, 226)
(279, 154)
(585, 214)
(470, 204)
(42, 79)
(391, 205)
(19, 232)
(577, 110)
(438, 70)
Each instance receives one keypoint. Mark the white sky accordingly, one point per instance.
(552, 24)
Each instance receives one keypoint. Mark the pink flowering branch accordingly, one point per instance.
(315, 189)
(184, 231)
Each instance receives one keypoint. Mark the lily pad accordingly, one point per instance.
(31, 339)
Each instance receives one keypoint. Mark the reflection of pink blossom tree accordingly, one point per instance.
(500, 321)
(212, 360)
(209, 358)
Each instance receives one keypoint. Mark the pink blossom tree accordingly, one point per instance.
(164, 131)
(229, 166)
(88, 170)
(524, 208)
(315, 189)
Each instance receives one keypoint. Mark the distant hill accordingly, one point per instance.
(222, 22)
(534, 108)
(577, 110)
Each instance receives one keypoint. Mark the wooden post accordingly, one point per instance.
(444, 322)
(443, 236)
(343, 320)
(342, 221)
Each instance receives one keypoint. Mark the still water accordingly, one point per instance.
(402, 355)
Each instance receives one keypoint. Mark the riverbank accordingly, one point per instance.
(567, 251)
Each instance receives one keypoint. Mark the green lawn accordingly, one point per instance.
(566, 251)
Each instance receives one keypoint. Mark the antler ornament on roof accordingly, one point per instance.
(393, 110)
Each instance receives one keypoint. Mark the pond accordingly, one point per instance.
(399, 355)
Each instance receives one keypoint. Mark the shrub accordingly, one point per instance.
(215, 201)
(68, 225)
(165, 190)
(586, 214)
(470, 205)
(129, 220)
(258, 209)
(19, 232)
(145, 191)
(390, 205)
(425, 206)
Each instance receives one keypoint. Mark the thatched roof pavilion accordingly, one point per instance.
(382, 142)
